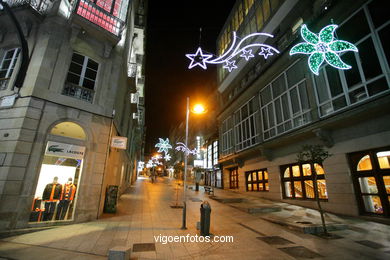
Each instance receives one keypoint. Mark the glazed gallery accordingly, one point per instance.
(56, 192)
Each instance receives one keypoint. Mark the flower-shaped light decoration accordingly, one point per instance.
(163, 145)
(323, 47)
(167, 157)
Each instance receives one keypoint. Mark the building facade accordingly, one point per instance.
(274, 104)
(75, 127)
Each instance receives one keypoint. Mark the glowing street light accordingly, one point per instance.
(198, 109)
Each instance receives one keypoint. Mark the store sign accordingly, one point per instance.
(119, 142)
(198, 163)
(65, 150)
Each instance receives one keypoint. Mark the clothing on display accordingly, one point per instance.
(51, 195)
(68, 192)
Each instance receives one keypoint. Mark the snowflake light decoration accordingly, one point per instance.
(167, 157)
(323, 47)
(241, 48)
(163, 145)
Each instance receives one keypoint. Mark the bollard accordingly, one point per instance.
(205, 212)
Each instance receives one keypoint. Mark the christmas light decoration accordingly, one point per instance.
(167, 157)
(163, 145)
(323, 47)
(182, 147)
(243, 50)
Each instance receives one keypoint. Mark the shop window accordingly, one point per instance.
(257, 180)
(57, 188)
(371, 179)
(233, 174)
(300, 184)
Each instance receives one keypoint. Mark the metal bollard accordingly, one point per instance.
(205, 212)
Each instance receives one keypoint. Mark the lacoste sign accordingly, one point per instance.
(64, 150)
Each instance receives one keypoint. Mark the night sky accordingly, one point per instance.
(172, 32)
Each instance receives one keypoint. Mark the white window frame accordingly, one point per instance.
(227, 146)
(326, 107)
(215, 152)
(84, 67)
(241, 128)
(12, 64)
(293, 121)
(210, 156)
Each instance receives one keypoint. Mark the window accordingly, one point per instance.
(284, 102)
(82, 74)
(371, 178)
(233, 178)
(298, 181)
(227, 136)
(337, 89)
(246, 125)
(257, 180)
(215, 152)
(210, 156)
(8, 63)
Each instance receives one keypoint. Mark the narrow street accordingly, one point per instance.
(144, 212)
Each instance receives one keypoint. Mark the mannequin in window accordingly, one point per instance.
(51, 194)
(66, 198)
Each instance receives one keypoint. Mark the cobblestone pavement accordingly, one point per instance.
(145, 212)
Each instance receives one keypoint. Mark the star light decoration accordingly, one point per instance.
(182, 147)
(163, 145)
(243, 50)
(323, 47)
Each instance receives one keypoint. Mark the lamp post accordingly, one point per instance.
(198, 109)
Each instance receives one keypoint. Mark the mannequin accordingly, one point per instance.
(51, 195)
(67, 195)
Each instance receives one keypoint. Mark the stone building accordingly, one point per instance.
(59, 145)
(273, 104)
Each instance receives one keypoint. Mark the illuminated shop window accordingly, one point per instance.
(371, 176)
(56, 193)
(257, 180)
(298, 181)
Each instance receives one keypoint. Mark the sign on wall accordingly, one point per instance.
(65, 150)
(119, 142)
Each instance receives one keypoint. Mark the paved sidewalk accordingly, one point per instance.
(145, 212)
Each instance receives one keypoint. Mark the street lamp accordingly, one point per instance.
(198, 109)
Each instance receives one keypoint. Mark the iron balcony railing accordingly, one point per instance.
(100, 16)
(78, 92)
(41, 6)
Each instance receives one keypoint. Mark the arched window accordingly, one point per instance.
(371, 179)
(298, 181)
(69, 129)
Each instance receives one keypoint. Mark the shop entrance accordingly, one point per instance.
(56, 192)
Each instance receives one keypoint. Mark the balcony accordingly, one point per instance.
(41, 6)
(79, 92)
(107, 14)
